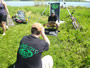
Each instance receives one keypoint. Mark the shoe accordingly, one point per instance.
(7, 27)
(58, 30)
(3, 34)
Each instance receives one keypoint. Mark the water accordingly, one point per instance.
(32, 3)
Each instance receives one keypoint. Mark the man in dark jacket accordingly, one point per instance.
(53, 20)
(31, 49)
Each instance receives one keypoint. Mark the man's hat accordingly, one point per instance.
(38, 26)
(53, 11)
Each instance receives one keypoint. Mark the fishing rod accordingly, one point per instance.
(71, 14)
(67, 8)
(74, 20)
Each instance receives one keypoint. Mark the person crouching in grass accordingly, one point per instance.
(30, 51)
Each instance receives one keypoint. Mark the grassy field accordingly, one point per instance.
(70, 49)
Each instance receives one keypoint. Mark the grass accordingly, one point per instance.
(69, 49)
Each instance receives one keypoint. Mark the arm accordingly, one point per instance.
(48, 18)
(56, 17)
(44, 36)
(57, 20)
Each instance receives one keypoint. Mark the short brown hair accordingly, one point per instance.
(35, 31)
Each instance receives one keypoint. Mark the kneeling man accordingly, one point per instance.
(30, 51)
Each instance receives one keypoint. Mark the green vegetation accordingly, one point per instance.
(69, 49)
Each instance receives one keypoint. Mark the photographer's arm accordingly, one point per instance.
(44, 36)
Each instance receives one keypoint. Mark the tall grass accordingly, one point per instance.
(69, 49)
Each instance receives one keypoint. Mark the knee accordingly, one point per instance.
(49, 58)
(50, 61)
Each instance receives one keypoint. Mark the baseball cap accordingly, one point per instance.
(53, 11)
(38, 26)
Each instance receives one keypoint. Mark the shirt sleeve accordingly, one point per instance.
(45, 46)
(56, 18)
(48, 18)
